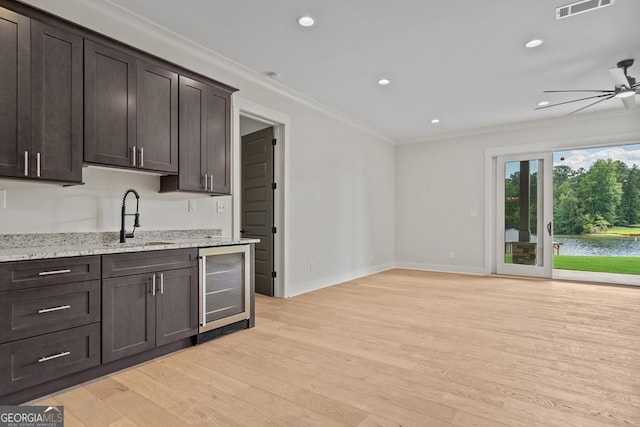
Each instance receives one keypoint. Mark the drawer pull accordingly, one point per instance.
(49, 273)
(55, 356)
(49, 310)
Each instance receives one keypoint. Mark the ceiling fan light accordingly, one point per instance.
(624, 92)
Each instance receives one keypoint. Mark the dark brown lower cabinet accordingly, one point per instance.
(33, 361)
(144, 311)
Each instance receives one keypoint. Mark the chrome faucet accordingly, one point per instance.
(136, 222)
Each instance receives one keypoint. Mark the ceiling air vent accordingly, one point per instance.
(581, 7)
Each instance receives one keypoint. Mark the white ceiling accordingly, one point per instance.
(462, 61)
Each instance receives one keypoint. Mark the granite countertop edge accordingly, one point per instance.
(8, 254)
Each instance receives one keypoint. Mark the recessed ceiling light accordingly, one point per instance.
(306, 21)
(435, 121)
(384, 81)
(543, 103)
(533, 43)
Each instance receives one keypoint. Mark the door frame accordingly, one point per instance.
(525, 147)
(545, 216)
(281, 125)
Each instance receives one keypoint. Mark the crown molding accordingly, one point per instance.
(528, 125)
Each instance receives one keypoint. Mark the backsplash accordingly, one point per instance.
(95, 207)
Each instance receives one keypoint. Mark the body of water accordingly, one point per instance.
(598, 246)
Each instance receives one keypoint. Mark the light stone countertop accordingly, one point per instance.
(19, 247)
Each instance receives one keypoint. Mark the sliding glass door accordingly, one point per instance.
(524, 215)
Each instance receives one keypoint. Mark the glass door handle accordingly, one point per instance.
(549, 227)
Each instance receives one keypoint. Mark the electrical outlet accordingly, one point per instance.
(312, 266)
(452, 255)
(192, 206)
(3, 199)
(221, 206)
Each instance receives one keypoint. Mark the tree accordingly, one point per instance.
(600, 192)
(629, 208)
(566, 211)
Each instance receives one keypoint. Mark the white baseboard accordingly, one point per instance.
(442, 268)
(325, 282)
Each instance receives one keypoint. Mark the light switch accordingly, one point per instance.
(192, 206)
(3, 199)
(222, 206)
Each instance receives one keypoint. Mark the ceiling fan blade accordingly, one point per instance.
(562, 91)
(593, 103)
(629, 102)
(608, 95)
(619, 77)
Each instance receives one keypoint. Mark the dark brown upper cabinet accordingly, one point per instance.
(131, 111)
(205, 139)
(40, 100)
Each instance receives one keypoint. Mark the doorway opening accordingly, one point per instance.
(249, 118)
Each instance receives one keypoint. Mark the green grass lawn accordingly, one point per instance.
(605, 264)
(621, 231)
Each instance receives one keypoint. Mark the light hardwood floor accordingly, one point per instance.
(399, 348)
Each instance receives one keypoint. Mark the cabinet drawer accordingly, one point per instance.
(37, 311)
(125, 264)
(45, 272)
(36, 360)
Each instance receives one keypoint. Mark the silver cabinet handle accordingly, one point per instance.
(162, 283)
(141, 157)
(206, 181)
(55, 356)
(38, 165)
(134, 152)
(26, 163)
(49, 273)
(153, 285)
(49, 310)
(211, 178)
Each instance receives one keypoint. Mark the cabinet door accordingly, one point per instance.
(193, 134)
(219, 140)
(33, 361)
(128, 316)
(157, 117)
(176, 305)
(110, 108)
(56, 89)
(15, 99)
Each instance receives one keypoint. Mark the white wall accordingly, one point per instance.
(340, 180)
(439, 182)
(249, 125)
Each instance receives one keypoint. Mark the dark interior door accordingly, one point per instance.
(257, 203)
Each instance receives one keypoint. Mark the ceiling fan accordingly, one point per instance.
(625, 88)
